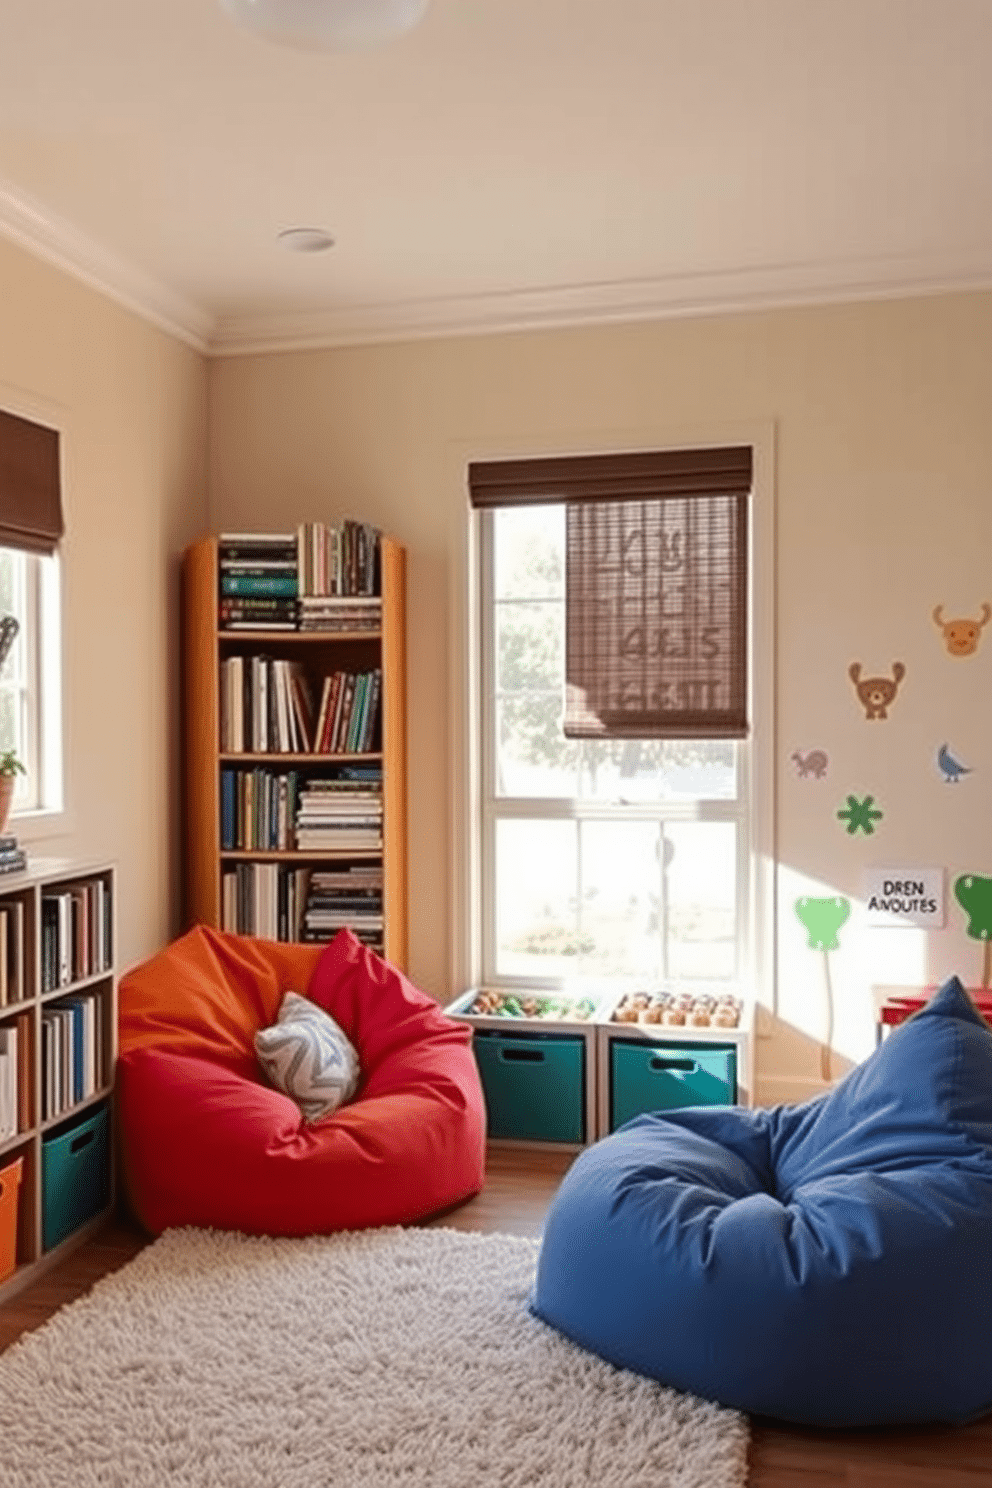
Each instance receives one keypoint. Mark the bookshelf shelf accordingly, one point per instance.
(253, 858)
(369, 757)
(302, 855)
(60, 918)
(253, 638)
(77, 1110)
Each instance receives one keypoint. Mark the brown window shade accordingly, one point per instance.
(723, 472)
(656, 575)
(30, 488)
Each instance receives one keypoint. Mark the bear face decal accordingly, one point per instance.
(875, 694)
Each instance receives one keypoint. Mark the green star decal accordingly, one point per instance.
(860, 816)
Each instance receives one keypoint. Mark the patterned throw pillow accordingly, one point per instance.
(309, 1057)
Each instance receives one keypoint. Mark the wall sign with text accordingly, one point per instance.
(904, 896)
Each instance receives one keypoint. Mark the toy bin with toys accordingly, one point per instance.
(662, 1050)
(536, 1054)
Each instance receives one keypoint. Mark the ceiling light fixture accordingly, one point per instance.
(305, 239)
(327, 25)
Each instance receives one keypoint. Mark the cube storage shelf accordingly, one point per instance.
(58, 996)
(566, 1084)
(538, 1077)
(658, 1067)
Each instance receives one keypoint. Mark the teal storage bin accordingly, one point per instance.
(662, 1077)
(534, 1087)
(75, 1176)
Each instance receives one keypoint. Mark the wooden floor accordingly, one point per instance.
(519, 1186)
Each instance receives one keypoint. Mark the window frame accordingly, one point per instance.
(495, 807)
(465, 890)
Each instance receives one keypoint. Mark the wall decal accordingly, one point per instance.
(961, 636)
(974, 894)
(814, 763)
(822, 919)
(952, 769)
(875, 694)
(860, 815)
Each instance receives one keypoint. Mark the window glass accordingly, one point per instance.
(701, 884)
(537, 930)
(15, 681)
(30, 683)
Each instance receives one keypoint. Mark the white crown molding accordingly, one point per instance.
(48, 237)
(775, 286)
(767, 287)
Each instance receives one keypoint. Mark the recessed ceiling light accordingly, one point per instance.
(326, 24)
(306, 239)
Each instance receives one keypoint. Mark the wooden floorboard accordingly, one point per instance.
(519, 1186)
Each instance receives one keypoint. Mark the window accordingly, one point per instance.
(29, 677)
(31, 526)
(603, 859)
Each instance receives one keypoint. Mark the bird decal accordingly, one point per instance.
(949, 767)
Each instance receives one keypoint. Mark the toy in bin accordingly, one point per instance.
(548, 1007)
(679, 1009)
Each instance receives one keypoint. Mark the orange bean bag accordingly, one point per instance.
(207, 1142)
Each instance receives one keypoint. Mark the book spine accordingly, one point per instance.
(246, 584)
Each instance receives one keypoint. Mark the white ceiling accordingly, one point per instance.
(509, 163)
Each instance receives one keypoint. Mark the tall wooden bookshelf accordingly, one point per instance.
(58, 990)
(206, 647)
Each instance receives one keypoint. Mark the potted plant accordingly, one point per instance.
(10, 768)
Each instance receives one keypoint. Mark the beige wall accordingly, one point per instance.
(883, 473)
(879, 415)
(131, 404)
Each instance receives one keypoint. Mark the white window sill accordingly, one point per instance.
(38, 826)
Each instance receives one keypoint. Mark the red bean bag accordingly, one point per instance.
(207, 1142)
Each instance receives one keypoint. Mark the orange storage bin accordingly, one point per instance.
(10, 1183)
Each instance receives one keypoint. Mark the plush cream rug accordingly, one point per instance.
(365, 1360)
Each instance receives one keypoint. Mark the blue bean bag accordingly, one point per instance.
(828, 1263)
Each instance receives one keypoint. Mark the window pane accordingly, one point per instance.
(701, 895)
(533, 757)
(536, 909)
(529, 646)
(12, 602)
(529, 554)
(621, 899)
(644, 770)
(8, 720)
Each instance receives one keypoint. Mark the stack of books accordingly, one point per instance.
(15, 1113)
(257, 810)
(348, 711)
(263, 899)
(265, 706)
(71, 1053)
(343, 814)
(12, 858)
(13, 987)
(347, 896)
(341, 614)
(76, 934)
(258, 581)
(337, 560)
